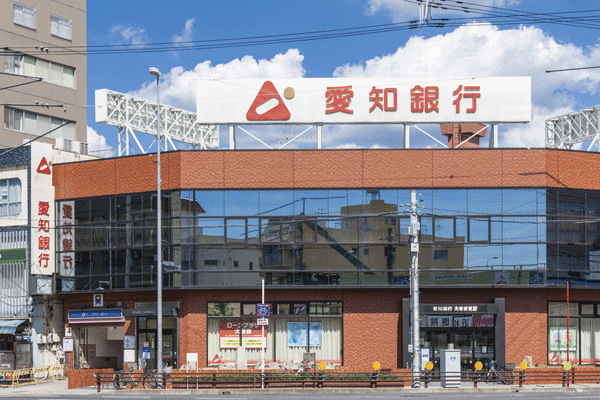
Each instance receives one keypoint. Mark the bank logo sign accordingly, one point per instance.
(364, 100)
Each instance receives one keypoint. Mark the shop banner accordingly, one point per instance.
(455, 321)
(229, 335)
(298, 333)
(558, 339)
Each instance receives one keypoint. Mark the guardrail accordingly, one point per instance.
(320, 379)
(32, 375)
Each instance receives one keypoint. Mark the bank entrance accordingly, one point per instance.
(477, 330)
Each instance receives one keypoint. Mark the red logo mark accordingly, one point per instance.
(217, 360)
(278, 113)
(44, 168)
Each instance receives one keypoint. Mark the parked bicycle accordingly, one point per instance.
(128, 380)
(503, 374)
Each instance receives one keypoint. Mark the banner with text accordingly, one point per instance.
(364, 100)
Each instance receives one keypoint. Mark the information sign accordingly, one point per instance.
(262, 310)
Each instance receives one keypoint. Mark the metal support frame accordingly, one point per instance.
(564, 131)
(132, 114)
(232, 138)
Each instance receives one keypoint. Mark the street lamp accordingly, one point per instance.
(159, 341)
(487, 264)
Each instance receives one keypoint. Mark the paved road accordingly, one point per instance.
(59, 391)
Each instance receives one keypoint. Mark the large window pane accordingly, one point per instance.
(43, 70)
(241, 202)
(69, 77)
(56, 72)
(29, 68)
(484, 201)
(30, 123)
(450, 202)
(276, 202)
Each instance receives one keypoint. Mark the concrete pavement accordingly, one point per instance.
(60, 388)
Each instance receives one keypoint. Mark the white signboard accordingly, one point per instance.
(66, 239)
(364, 100)
(128, 355)
(67, 344)
(42, 210)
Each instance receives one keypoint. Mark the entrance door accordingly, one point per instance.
(474, 345)
(463, 341)
(146, 340)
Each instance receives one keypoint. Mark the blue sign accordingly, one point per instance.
(262, 310)
(27, 338)
(146, 353)
(96, 316)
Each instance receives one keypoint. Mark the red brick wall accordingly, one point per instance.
(330, 169)
(372, 319)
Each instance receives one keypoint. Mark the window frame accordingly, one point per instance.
(58, 20)
(20, 69)
(24, 7)
(8, 202)
(11, 112)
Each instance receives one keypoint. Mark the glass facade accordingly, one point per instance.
(335, 237)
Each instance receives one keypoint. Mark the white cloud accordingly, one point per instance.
(480, 51)
(130, 34)
(97, 144)
(178, 86)
(533, 133)
(401, 11)
(186, 34)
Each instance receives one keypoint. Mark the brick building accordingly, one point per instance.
(502, 231)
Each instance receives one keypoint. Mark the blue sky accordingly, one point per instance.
(465, 49)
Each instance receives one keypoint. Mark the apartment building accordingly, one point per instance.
(42, 93)
(42, 55)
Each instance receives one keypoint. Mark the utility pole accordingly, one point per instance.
(414, 285)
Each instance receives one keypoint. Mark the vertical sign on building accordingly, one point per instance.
(42, 210)
(66, 238)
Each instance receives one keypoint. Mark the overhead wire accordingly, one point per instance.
(503, 16)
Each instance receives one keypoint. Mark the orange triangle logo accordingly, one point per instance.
(278, 113)
(44, 168)
(217, 360)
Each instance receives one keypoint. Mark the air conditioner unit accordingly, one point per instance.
(49, 339)
(62, 143)
(55, 338)
(41, 338)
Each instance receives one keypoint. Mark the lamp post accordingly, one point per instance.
(487, 264)
(159, 339)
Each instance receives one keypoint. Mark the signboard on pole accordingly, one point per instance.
(364, 100)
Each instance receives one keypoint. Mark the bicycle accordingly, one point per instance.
(504, 375)
(126, 380)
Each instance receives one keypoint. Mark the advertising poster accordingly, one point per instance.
(298, 334)
(229, 335)
(558, 339)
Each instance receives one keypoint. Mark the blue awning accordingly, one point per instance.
(9, 326)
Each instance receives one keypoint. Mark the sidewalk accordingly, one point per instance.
(60, 388)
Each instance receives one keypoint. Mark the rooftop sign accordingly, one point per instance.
(364, 101)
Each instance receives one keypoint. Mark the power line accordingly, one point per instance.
(504, 16)
(571, 69)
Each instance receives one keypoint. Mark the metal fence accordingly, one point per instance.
(321, 379)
